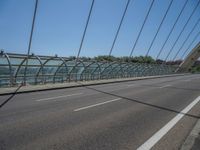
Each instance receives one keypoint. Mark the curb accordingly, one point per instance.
(190, 140)
(88, 84)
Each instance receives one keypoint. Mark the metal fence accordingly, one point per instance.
(48, 69)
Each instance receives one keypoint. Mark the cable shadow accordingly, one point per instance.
(14, 93)
(140, 102)
(170, 80)
(173, 87)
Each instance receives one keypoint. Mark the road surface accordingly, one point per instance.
(154, 113)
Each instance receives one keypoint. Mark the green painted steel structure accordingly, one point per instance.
(54, 69)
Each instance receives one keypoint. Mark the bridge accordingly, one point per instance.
(146, 100)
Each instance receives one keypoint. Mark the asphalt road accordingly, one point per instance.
(119, 116)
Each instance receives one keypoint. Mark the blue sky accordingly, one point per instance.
(60, 24)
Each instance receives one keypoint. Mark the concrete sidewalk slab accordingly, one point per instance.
(192, 142)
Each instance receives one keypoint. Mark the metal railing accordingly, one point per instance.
(48, 69)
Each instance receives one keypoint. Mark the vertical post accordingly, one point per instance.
(30, 39)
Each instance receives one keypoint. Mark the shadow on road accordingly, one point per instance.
(173, 87)
(140, 102)
(9, 98)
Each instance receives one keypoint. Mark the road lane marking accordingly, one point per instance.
(159, 134)
(187, 80)
(94, 105)
(120, 88)
(131, 85)
(57, 97)
(164, 86)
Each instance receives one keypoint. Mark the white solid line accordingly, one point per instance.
(164, 86)
(50, 98)
(86, 107)
(187, 80)
(115, 89)
(159, 134)
(131, 85)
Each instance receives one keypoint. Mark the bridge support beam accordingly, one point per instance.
(190, 59)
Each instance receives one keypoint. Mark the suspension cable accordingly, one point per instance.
(181, 31)
(189, 46)
(160, 51)
(30, 38)
(152, 42)
(138, 36)
(119, 27)
(85, 29)
(186, 39)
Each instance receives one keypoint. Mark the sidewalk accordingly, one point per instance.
(51, 86)
(192, 142)
(196, 145)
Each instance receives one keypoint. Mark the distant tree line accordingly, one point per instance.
(137, 59)
(196, 67)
